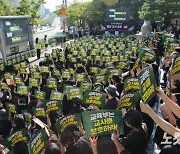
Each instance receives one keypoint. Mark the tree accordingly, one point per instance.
(160, 11)
(6, 8)
(24, 8)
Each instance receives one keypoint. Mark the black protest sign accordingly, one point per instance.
(147, 84)
(52, 83)
(73, 92)
(27, 116)
(128, 100)
(38, 143)
(22, 90)
(94, 97)
(102, 122)
(39, 112)
(3, 86)
(67, 121)
(18, 80)
(86, 85)
(131, 84)
(33, 82)
(56, 96)
(66, 74)
(53, 106)
(176, 65)
(11, 108)
(40, 95)
(14, 138)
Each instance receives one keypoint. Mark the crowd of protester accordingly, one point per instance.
(138, 122)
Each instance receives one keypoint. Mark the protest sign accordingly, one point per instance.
(69, 120)
(38, 143)
(45, 69)
(7, 76)
(56, 96)
(94, 70)
(100, 79)
(11, 108)
(147, 84)
(176, 65)
(23, 64)
(52, 83)
(22, 90)
(128, 100)
(53, 106)
(73, 92)
(111, 72)
(23, 71)
(40, 95)
(66, 74)
(86, 85)
(56, 73)
(27, 116)
(36, 75)
(131, 84)
(33, 82)
(102, 122)
(18, 80)
(94, 97)
(39, 112)
(3, 86)
(14, 138)
(80, 77)
(137, 64)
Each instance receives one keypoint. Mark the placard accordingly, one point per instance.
(86, 85)
(3, 86)
(39, 112)
(67, 121)
(131, 84)
(36, 75)
(27, 116)
(7, 76)
(66, 74)
(73, 92)
(128, 100)
(18, 80)
(80, 77)
(40, 95)
(33, 82)
(53, 106)
(56, 96)
(176, 65)
(22, 90)
(45, 69)
(38, 143)
(147, 84)
(52, 83)
(102, 122)
(11, 108)
(94, 97)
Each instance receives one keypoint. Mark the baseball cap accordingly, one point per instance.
(112, 90)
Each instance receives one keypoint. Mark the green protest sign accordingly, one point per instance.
(32, 70)
(131, 84)
(38, 143)
(45, 69)
(66, 74)
(128, 100)
(3, 86)
(103, 71)
(23, 71)
(14, 138)
(1, 67)
(27, 116)
(73, 92)
(18, 80)
(7, 76)
(147, 84)
(94, 97)
(53, 106)
(40, 95)
(94, 70)
(67, 121)
(33, 82)
(80, 77)
(36, 75)
(86, 85)
(100, 79)
(148, 56)
(39, 112)
(51, 83)
(121, 65)
(114, 58)
(176, 65)
(11, 108)
(23, 65)
(22, 90)
(111, 72)
(102, 122)
(56, 96)
(56, 73)
(137, 63)
(168, 86)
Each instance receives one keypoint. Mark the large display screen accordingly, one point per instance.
(118, 15)
(16, 31)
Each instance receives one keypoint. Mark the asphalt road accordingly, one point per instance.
(51, 33)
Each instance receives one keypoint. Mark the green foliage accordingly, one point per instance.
(6, 8)
(160, 10)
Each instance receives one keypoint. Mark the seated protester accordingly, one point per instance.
(80, 68)
(5, 124)
(112, 95)
(136, 140)
(77, 108)
(53, 116)
(117, 82)
(21, 147)
(53, 148)
(19, 123)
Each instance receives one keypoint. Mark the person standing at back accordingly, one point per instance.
(38, 48)
(46, 42)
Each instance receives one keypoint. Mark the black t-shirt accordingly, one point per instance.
(5, 128)
(111, 104)
(135, 142)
